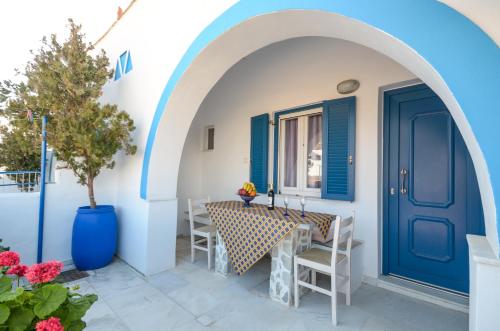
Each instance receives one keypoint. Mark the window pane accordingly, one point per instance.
(211, 138)
(291, 135)
(314, 151)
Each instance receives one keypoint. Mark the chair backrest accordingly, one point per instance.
(342, 237)
(196, 207)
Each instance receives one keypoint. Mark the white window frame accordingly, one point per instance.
(301, 189)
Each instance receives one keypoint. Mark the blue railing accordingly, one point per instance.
(20, 181)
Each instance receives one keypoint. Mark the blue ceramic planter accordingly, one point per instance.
(94, 237)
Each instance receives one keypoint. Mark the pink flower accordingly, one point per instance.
(8, 259)
(51, 324)
(19, 270)
(43, 272)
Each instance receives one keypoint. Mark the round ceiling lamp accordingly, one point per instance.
(348, 86)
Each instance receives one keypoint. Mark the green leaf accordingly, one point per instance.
(5, 284)
(48, 298)
(76, 326)
(4, 313)
(78, 307)
(20, 319)
(8, 296)
(26, 296)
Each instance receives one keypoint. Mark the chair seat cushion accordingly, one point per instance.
(205, 229)
(320, 256)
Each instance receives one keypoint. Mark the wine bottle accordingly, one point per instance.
(270, 198)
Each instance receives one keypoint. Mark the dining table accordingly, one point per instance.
(246, 234)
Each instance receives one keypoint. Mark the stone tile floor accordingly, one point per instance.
(190, 297)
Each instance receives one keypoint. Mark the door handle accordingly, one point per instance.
(404, 173)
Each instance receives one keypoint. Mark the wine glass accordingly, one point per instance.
(285, 201)
(303, 204)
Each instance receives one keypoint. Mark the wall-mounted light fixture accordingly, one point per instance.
(348, 86)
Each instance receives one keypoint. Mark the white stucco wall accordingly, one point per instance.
(157, 34)
(484, 13)
(19, 215)
(289, 74)
(19, 223)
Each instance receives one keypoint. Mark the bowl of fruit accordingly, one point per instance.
(247, 193)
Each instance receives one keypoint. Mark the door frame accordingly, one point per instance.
(384, 171)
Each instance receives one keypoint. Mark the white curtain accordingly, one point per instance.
(291, 133)
(314, 151)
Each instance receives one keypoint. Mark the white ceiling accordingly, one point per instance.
(484, 13)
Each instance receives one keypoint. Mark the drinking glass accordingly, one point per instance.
(303, 204)
(285, 201)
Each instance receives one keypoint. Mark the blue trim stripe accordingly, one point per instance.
(459, 51)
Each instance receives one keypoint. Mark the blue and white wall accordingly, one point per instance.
(163, 100)
(180, 51)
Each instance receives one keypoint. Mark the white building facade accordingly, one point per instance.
(192, 65)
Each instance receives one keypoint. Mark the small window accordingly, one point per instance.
(300, 170)
(209, 135)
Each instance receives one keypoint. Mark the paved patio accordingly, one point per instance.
(190, 297)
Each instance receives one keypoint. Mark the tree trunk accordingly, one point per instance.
(90, 187)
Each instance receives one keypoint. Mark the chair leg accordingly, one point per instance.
(348, 285)
(209, 251)
(313, 278)
(192, 249)
(334, 299)
(296, 282)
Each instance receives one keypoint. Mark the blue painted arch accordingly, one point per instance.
(463, 55)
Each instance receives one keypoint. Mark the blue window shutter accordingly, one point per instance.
(118, 71)
(259, 150)
(339, 126)
(128, 67)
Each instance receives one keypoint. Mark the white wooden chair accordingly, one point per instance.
(344, 248)
(325, 260)
(202, 237)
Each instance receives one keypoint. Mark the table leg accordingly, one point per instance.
(222, 265)
(281, 279)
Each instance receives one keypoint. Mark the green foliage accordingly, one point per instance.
(4, 313)
(11, 295)
(20, 319)
(22, 307)
(20, 139)
(5, 285)
(20, 147)
(64, 81)
(48, 298)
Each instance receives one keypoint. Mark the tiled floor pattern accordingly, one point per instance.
(190, 297)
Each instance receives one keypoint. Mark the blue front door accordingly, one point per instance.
(432, 197)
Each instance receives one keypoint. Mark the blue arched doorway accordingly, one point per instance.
(459, 53)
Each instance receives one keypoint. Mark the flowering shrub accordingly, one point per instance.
(18, 270)
(41, 304)
(43, 272)
(52, 324)
(8, 259)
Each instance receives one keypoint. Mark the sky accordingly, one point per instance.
(23, 23)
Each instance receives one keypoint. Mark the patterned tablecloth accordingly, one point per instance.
(249, 233)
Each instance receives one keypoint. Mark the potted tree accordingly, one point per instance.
(64, 82)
